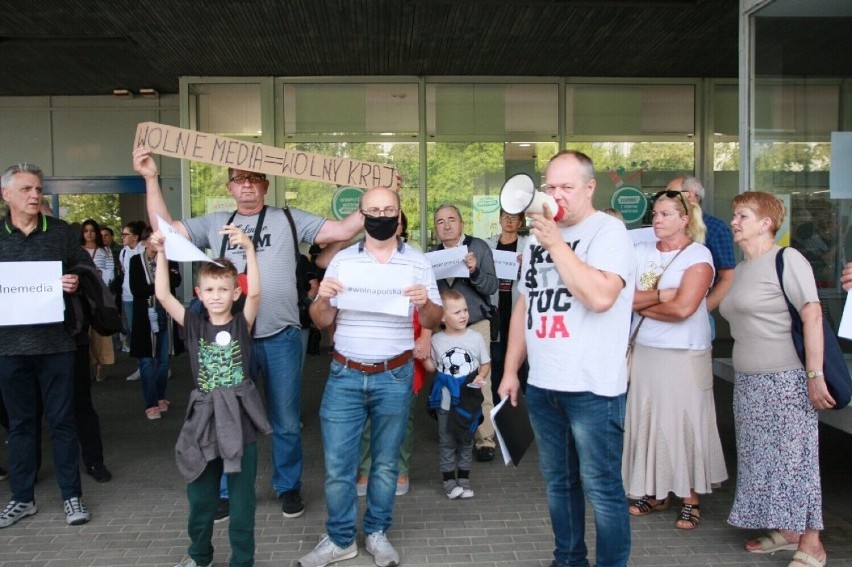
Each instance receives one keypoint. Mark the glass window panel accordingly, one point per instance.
(630, 109)
(469, 175)
(228, 109)
(796, 110)
(462, 174)
(647, 166)
(793, 120)
(532, 109)
(208, 189)
(491, 110)
(726, 110)
(338, 109)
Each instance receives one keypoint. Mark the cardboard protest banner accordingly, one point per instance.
(208, 148)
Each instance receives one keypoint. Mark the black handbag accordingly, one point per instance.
(833, 361)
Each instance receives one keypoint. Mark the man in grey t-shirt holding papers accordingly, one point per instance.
(277, 335)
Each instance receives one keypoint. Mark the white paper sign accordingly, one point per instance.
(178, 248)
(644, 234)
(377, 289)
(31, 293)
(506, 264)
(449, 263)
(506, 458)
(845, 329)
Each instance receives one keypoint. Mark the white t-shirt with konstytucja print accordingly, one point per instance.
(571, 348)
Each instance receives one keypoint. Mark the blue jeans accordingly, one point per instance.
(350, 398)
(127, 306)
(21, 377)
(280, 358)
(579, 437)
(154, 372)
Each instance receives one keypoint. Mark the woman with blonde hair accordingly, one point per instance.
(671, 442)
(776, 398)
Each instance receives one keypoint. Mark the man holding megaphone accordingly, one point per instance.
(572, 321)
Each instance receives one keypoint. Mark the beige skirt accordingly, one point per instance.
(671, 442)
(100, 349)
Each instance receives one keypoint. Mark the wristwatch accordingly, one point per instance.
(815, 374)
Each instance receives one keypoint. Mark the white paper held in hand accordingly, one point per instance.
(178, 248)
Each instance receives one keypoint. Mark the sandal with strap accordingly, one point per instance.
(801, 558)
(686, 515)
(645, 507)
(773, 541)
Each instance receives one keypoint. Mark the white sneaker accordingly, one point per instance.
(327, 552)
(135, 376)
(190, 562)
(467, 491)
(382, 550)
(76, 512)
(15, 510)
(452, 489)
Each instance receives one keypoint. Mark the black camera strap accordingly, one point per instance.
(255, 239)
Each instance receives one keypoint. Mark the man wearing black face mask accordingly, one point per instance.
(370, 378)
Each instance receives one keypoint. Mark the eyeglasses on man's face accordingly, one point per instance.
(252, 178)
(123, 234)
(377, 212)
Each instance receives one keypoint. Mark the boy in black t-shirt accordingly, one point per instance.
(215, 439)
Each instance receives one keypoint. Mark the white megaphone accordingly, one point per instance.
(518, 195)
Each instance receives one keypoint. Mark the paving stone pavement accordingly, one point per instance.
(139, 518)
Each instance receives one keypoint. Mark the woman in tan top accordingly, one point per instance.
(775, 398)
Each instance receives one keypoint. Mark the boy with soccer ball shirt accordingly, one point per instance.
(225, 412)
(461, 360)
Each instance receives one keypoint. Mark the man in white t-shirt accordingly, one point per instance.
(572, 321)
(370, 378)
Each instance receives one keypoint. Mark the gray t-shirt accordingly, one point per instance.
(276, 258)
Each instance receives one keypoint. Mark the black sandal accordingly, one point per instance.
(646, 507)
(686, 515)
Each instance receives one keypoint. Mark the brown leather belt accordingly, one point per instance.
(373, 367)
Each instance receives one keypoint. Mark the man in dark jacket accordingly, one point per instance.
(38, 357)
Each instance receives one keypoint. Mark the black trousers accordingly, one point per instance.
(85, 417)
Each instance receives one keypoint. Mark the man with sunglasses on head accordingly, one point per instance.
(718, 239)
(277, 334)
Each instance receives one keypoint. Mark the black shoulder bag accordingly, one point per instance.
(833, 361)
(255, 239)
(304, 302)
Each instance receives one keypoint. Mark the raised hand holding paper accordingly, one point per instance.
(449, 263)
(178, 248)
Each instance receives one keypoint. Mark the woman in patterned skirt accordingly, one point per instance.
(775, 398)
